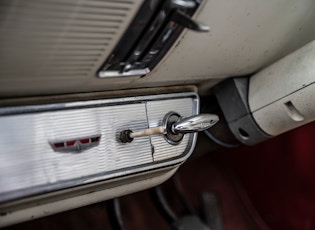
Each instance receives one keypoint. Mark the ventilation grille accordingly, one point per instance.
(59, 38)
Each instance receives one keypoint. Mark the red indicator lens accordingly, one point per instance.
(59, 145)
(76, 145)
(70, 143)
(85, 141)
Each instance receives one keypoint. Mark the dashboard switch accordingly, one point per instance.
(185, 21)
(174, 127)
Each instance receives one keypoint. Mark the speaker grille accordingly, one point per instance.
(54, 39)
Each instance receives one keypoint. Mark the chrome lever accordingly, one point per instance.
(174, 127)
(195, 123)
(182, 4)
(185, 21)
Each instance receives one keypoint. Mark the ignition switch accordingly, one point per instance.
(174, 127)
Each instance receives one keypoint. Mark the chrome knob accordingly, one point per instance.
(174, 127)
(187, 22)
(195, 123)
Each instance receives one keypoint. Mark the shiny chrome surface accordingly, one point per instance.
(182, 4)
(29, 165)
(172, 126)
(195, 123)
(185, 20)
(168, 121)
(155, 28)
(156, 112)
(129, 73)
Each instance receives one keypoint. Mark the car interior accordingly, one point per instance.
(157, 114)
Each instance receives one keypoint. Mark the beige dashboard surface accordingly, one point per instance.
(245, 36)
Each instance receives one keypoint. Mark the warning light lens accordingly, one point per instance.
(70, 143)
(59, 145)
(85, 141)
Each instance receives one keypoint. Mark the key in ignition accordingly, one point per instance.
(174, 127)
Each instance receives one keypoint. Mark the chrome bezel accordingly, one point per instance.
(36, 190)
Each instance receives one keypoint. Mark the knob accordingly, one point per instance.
(195, 123)
(185, 21)
(174, 127)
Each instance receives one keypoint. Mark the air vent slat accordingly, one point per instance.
(120, 1)
(51, 71)
(109, 5)
(114, 23)
(53, 65)
(59, 39)
(65, 52)
(58, 29)
(70, 3)
(52, 36)
(53, 17)
(60, 9)
(9, 23)
(44, 74)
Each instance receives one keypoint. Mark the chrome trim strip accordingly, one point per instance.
(90, 103)
(130, 73)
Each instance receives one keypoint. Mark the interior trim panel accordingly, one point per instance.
(68, 144)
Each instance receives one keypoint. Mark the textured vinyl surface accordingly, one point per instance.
(53, 40)
(29, 165)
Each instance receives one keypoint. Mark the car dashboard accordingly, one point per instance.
(102, 98)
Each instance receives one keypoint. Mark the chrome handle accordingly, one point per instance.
(174, 127)
(185, 21)
(182, 4)
(195, 123)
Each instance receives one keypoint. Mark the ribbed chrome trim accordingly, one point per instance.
(50, 171)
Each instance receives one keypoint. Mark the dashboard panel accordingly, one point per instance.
(62, 115)
(68, 42)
